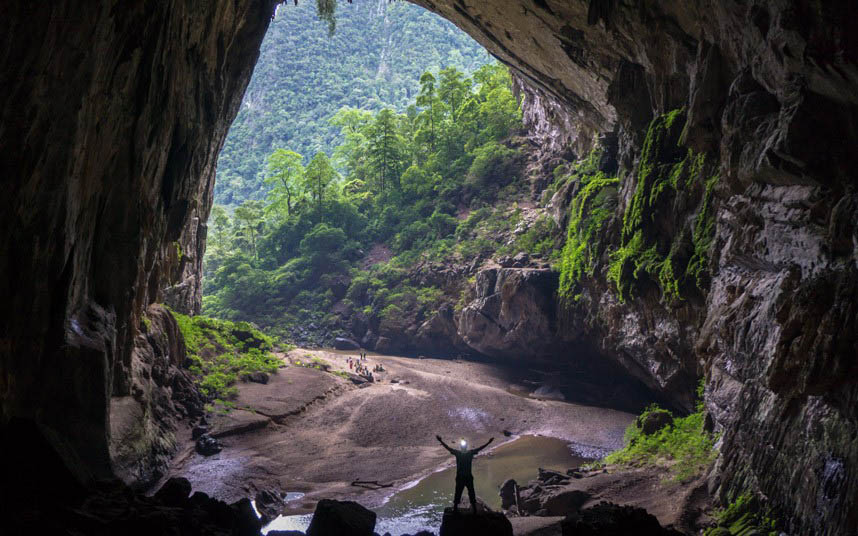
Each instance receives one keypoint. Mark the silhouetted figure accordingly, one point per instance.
(464, 477)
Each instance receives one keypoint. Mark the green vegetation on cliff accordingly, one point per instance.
(681, 445)
(670, 180)
(744, 516)
(592, 206)
(304, 75)
(222, 352)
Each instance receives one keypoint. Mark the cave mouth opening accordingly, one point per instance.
(382, 70)
(249, 210)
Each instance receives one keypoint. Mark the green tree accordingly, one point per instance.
(220, 225)
(326, 10)
(453, 89)
(285, 174)
(428, 100)
(385, 151)
(350, 155)
(323, 244)
(318, 177)
(249, 223)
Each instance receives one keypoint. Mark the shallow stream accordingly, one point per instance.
(421, 505)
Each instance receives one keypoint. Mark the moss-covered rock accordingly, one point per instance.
(657, 245)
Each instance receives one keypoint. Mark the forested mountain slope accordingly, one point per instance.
(323, 250)
(304, 75)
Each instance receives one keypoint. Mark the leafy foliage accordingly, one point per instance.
(683, 447)
(405, 178)
(305, 74)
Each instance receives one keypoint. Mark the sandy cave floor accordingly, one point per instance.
(316, 432)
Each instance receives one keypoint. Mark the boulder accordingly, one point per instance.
(563, 501)
(174, 492)
(268, 503)
(384, 345)
(369, 339)
(609, 519)
(343, 343)
(483, 523)
(198, 431)
(509, 494)
(343, 518)
(247, 523)
(653, 421)
(512, 314)
(530, 499)
(207, 445)
(258, 377)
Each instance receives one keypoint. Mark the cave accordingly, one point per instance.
(113, 114)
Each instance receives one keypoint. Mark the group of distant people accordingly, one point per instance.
(358, 365)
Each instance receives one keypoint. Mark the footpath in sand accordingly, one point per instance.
(316, 432)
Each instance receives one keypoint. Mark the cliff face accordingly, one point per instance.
(765, 96)
(112, 117)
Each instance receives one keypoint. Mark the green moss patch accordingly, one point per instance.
(656, 246)
(593, 205)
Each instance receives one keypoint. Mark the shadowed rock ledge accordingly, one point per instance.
(113, 114)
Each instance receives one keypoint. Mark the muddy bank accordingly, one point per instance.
(316, 432)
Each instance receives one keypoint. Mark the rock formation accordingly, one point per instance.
(113, 113)
(769, 95)
(144, 422)
(513, 313)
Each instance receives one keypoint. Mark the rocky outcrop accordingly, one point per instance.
(513, 313)
(608, 519)
(143, 424)
(61, 505)
(341, 517)
(184, 257)
(482, 523)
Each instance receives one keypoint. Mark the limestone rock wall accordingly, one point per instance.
(770, 96)
(513, 313)
(143, 423)
(112, 117)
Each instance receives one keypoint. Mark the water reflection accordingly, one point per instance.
(421, 507)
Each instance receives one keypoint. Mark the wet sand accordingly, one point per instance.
(315, 432)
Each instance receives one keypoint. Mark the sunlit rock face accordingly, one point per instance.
(513, 313)
(770, 90)
(113, 114)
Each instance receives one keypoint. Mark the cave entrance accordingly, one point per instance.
(372, 198)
